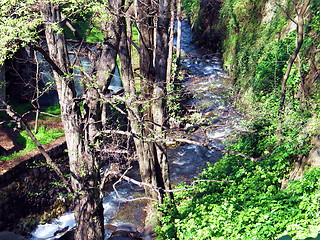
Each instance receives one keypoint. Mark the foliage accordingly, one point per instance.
(191, 8)
(54, 109)
(82, 23)
(315, 23)
(249, 202)
(259, 38)
(14, 30)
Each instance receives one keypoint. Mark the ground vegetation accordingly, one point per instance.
(271, 51)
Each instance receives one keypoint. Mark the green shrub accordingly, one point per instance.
(249, 203)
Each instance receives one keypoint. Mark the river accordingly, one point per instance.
(208, 84)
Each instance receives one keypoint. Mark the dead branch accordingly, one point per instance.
(157, 189)
(112, 170)
(194, 182)
(205, 144)
(210, 180)
(140, 184)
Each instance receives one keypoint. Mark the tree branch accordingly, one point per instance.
(49, 59)
(157, 189)
(141, 184)
(300, 39)
(18, 118)
(184, 140)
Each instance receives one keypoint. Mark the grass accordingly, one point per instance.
(44, 136)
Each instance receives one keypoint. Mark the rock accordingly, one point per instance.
(126, 231)
(10, 236)
(311, 160)
(3, 151)
(125, 235)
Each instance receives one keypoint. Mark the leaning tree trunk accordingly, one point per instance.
(84, 169)
(300, 36)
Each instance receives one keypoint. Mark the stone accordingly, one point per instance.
(311, 160)
(125, 235)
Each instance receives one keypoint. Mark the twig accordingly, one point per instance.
(184, 140)
(210, 180)
(137, 183)
(157, 189)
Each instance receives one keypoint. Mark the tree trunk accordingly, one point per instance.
(153, 69)
(84, 167)
(159, 93)
(300, 36)
(170, 51)
(147, 155)
(178, 30)
(2, 83)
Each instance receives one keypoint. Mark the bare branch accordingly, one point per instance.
(141, 184)
(210, 180)
(49, 60)
(112, 170)
(184, 140)
(157, 189)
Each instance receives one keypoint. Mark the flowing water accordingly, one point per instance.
(206, 81)
(208, 84)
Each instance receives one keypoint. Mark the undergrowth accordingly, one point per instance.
(246, 199)
(248, 202)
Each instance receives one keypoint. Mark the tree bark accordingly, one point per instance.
(148, 119)
(2, 83)
(147, 155)
(171, 40)
(159, 93)
(178, 30)
(84, 168)
(300, 36)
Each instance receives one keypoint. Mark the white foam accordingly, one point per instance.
(47, 230)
